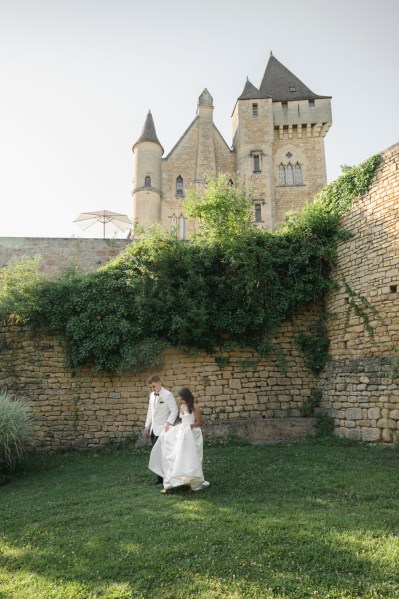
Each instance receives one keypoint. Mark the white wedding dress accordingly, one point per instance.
(177, 455)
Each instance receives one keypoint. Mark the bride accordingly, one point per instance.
(177, 455)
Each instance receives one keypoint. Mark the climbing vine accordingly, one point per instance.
(227, 288)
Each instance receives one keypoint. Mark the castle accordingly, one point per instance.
(278, 144)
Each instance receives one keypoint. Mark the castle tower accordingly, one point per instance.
(301, 119)
(146, 193)
(278, 138)
(253, 138)
(278, 145)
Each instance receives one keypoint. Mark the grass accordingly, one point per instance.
(283, 521)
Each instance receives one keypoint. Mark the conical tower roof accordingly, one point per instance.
(282, 85)
(148, 133)
(250, 92)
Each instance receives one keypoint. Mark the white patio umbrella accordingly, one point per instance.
(87, 219)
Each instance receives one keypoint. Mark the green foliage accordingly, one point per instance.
(325, 425)
(361, 306)
(223, 207)
(339, 195)
(315, 345)
(308, 407)
(231, 286)
(19, 287)
(16, 429)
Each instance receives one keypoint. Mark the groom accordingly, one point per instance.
(162, 411)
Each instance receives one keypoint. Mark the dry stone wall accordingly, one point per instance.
(60, 254)
(360, 390)
(83, 409)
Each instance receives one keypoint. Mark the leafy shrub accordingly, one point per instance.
(232, 285)
(16, 429)
(308, 407)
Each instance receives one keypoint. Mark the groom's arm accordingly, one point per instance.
(173, 409)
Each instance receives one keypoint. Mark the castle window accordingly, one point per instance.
(297, 174)
(255, 110)
(182, 227)
(284, 105)
(256, 163)
(290, 174)
(147, 181)
(312, 104)
(281, 174)
(258, 213)
(179, 186)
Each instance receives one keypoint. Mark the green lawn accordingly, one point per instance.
(292, 521)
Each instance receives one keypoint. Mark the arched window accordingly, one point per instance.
(290, 174)
(179, 186)
(298, 174)
(258, 213)
(281, 174)
(147, 181)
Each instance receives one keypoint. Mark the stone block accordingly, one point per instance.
(370, 434)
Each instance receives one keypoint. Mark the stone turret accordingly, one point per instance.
(206, 160)
(146, 193)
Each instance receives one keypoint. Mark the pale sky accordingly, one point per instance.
(79, 76)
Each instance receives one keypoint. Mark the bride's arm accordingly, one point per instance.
(198, 417)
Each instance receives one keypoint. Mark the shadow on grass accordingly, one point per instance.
(278, 521)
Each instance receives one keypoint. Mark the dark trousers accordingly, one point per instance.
(154, 439)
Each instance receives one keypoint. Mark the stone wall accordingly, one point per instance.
(85, 409)
(85, 255)
(358, 387)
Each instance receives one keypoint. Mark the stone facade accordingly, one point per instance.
(278, 145)
(359, 389)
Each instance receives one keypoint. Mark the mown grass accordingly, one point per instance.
(292, 521)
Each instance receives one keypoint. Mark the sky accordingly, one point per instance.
(79, 76)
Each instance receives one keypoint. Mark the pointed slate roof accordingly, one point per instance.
(148, 133)
(250, 92)
(205, 99)
(282, 85)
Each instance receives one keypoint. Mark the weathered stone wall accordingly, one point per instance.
(85, 255)
(84, 409)
(359, 390)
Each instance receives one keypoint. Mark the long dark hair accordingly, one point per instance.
(188, 397)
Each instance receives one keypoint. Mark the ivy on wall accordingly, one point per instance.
(230, 287)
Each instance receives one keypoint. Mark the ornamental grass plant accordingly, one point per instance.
(16, 429)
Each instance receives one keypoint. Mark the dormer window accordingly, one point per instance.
(255, 110)
(179, 186)
(292, 89)
(147, 181)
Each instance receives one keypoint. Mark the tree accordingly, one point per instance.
(223, 208)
